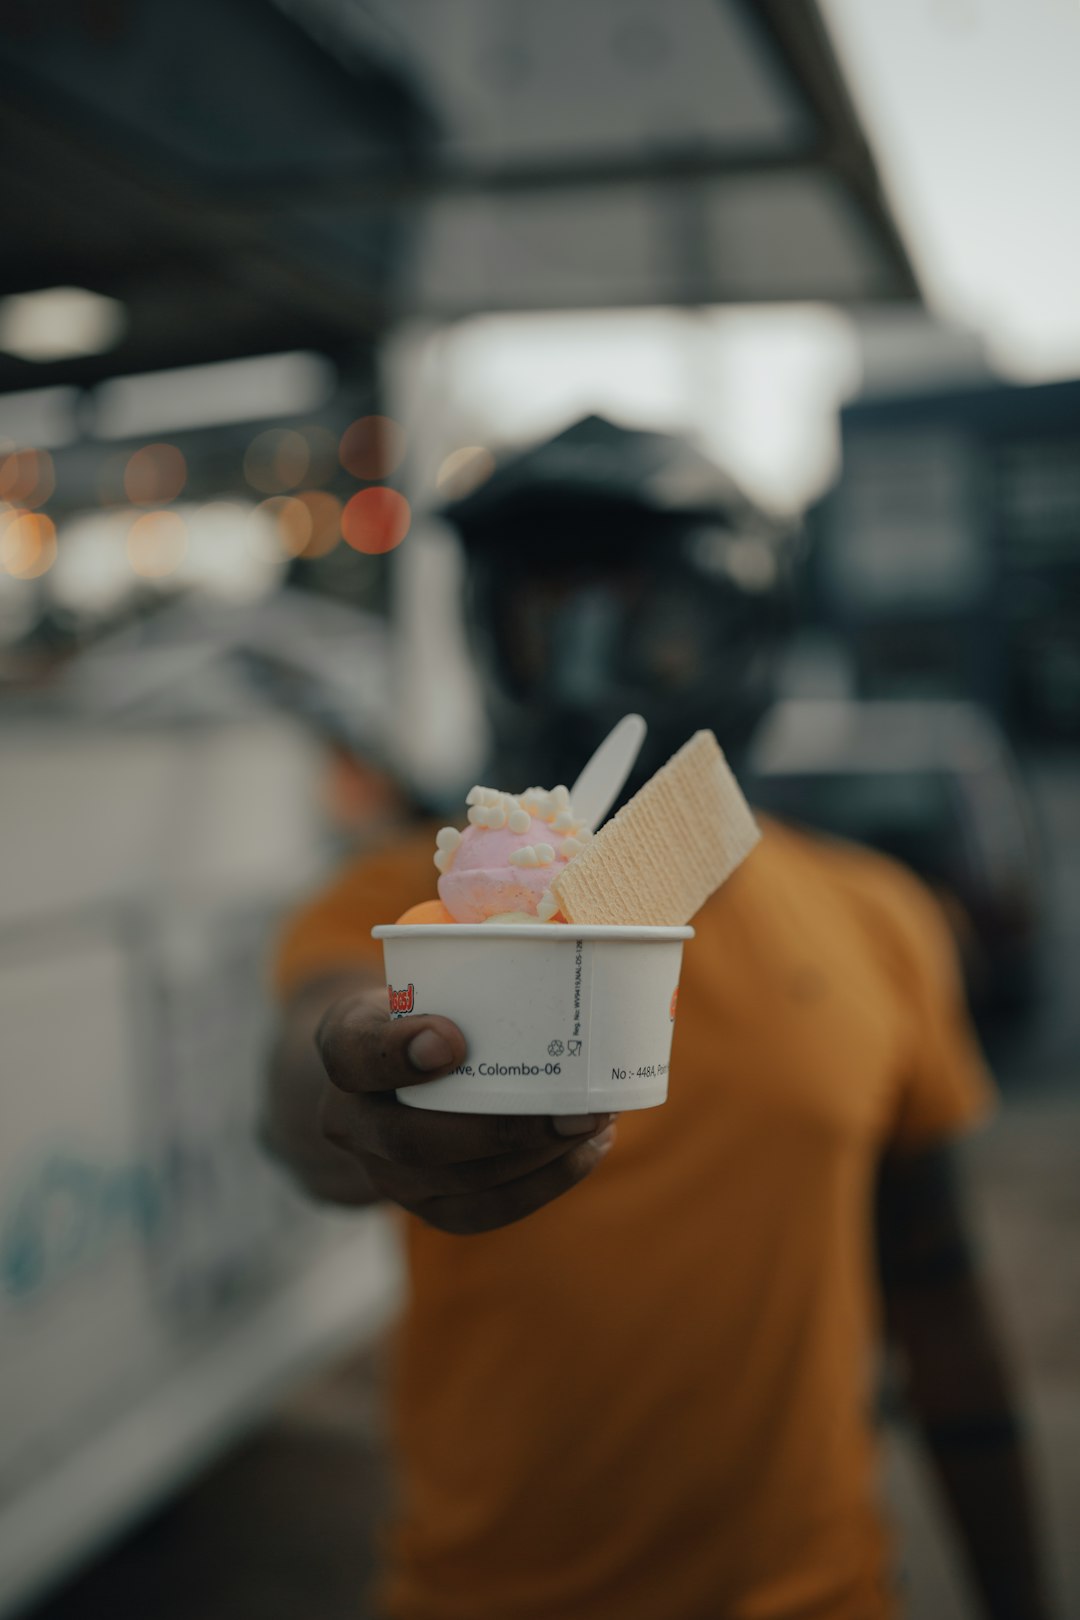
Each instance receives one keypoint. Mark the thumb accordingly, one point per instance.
(363, 1049)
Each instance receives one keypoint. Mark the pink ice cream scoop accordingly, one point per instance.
(504, 862)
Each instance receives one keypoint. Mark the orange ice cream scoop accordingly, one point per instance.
(428, 911)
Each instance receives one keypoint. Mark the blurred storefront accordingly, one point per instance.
(948, 553)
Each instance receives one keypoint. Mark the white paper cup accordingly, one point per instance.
(558, 1019)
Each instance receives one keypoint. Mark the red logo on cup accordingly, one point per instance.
(401, 1001)
(674, 1000)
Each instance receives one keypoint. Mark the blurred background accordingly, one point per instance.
(276, 278)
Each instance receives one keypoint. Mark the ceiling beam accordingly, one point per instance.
(799, 35)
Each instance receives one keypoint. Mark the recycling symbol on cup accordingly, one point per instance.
(555, 1048)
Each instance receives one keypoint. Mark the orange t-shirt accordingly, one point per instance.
(652, 1399)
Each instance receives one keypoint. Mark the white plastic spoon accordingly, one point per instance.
(599, 784)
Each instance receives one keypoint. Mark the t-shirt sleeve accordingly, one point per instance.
(332, 931)
(945, 1085)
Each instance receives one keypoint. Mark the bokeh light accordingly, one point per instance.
(27, 544)
(226, 549)
(60, 323)
(291, 520)
(307, 525)
(464, 470)
(376, 520)
(277, 460)
(325, 513)
(155, 475)
(372, 447)
(156, 544)
(27, 477)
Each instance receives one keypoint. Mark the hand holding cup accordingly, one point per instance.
(462, 1173)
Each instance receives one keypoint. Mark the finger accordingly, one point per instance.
(363, 1049)
(423, 1139)
(409, 1186)
(502, 1206)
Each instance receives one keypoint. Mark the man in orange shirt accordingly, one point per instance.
(652, 1399)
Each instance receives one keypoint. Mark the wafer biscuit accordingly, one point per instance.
(664, 853)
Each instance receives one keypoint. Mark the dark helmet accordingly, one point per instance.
(610, 571)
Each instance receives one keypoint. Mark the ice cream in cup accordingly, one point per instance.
(558, 952)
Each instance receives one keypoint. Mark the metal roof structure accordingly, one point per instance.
(251, 175)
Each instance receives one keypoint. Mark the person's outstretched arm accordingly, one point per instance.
(958, 1383)
(331, 1116)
